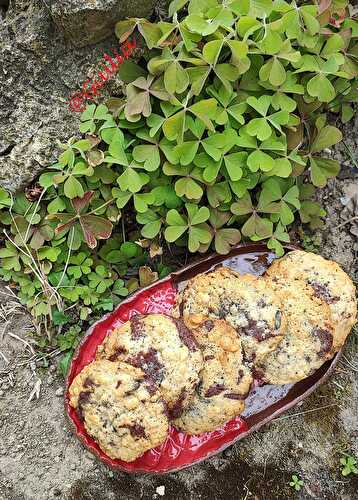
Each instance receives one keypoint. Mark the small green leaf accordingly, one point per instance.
(198, 235)
(189, 188)
(173, 233)
(257, 228)
(200, 215)
(322, 169)
(73, 188)
(132, 181)
(258, 160)
(235, 162)
(225, 239)
(261, 105)
(326, 137)
(149, 155)
(242, 206)
(319, 86)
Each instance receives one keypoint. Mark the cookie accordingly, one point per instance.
(165, 349)
(328, 282)
(224, 380)
(308, 340)
(247, 302)
(117, 409)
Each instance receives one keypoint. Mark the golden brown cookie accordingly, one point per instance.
(328, 282)
(165, 349)
(246, 302)
(308, 340)
(117, 409)
(224, 380)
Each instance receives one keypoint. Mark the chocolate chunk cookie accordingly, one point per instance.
(117, 409)
(328, 282)
(248, 303)
(308, 340)
(225, 380)
(167, 352)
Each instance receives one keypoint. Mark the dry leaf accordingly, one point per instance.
(147, 276)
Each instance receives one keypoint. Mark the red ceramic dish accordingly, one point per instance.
(263, 404)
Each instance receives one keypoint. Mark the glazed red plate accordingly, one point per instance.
(263, 404)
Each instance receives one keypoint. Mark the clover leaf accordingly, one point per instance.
(91, 226)
(193, 223)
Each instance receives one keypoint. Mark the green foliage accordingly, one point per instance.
(218, 117)
(349, 465)
(296, 482)
(223, 135)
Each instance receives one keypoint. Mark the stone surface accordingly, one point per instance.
(40, 459)
(39, 71)
(90, 21)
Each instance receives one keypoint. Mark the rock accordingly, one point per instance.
(90, 21)
(160, 490)
(39, 72)
(59, 392)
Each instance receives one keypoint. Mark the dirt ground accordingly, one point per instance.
(40, 459)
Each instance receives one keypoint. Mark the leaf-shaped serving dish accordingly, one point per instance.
(263, 404)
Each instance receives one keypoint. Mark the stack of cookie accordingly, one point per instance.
(195, 369)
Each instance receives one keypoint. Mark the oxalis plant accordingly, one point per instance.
(229, 112)
(222, 135)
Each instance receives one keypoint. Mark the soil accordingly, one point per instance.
(41, 459)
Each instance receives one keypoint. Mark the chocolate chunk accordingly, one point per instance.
(151, 366)
(240, 375)
(258, 374)
(181, 308)
(208, 325)
(326, 339)
(248, 358)
(166, 409)
(214, 390)
(136, 430)
(137, 327)
(233, 395)
(209, 357)
(120, 350)
(176, 410)
(260, 263)
(321, 291)
(118, 384)
(186, 335)
(83, 398)
(88, 383)
(260, 333)
(150, 385)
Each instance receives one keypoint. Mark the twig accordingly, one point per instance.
(304, 412)
(345, 361)
(21, 340)
(4, 357)
(347, 222)
(66, 265)
(35, 391)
